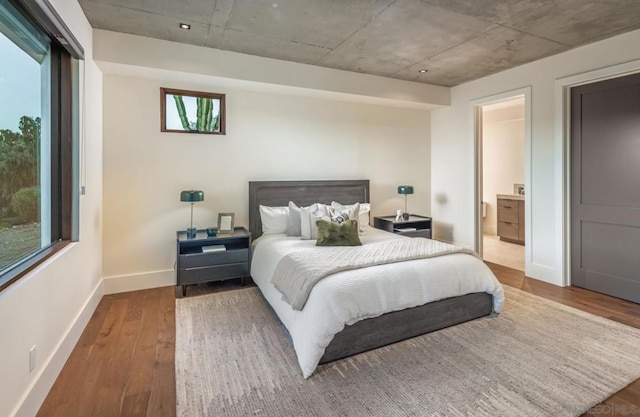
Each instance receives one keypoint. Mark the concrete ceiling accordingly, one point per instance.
(454, 40)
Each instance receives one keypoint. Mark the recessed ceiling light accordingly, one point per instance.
(185, 26)
(422, 71)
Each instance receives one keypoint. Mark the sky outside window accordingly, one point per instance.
(20, 87)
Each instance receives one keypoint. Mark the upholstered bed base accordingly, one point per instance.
(400, 325)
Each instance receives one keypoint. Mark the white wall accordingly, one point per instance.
(269, 136)
(265, 74)
(51, 305)
(452, 146)
(502, 156)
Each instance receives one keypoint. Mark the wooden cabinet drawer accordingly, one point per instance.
(508, 210)
(508, 230)
(195, 260)
(212, 273)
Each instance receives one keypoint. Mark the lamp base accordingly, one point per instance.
(405, 216)
(191, 233)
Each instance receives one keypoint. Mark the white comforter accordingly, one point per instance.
(350, 296)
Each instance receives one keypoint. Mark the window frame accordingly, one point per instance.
(64, 48)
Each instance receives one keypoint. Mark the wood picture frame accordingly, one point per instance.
(226, 222)
(185, 111)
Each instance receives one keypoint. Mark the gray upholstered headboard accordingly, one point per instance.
(303, 193)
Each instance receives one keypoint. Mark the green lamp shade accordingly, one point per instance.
(192, 196)
(405, 189)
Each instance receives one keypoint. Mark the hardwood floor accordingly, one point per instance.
(123, 364)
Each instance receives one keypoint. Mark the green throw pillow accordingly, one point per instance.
(338, 234)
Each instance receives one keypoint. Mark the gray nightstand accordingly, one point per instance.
(195, 265)
(416, 226)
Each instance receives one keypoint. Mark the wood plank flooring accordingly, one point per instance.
(123, 364)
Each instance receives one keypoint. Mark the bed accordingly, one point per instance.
(378, 305)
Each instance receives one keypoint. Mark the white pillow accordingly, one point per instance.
(274, 219)
(309, 217)
(363, 214)
(293, 224)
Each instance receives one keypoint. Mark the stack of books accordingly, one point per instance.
(213, 248)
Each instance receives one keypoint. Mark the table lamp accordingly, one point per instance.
(191, 196)
(405, 190)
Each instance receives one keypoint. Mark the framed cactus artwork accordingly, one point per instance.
(183, 111)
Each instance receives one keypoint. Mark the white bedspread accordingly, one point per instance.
(350, 296)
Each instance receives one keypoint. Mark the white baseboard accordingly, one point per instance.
(37, 392)
(134, 282)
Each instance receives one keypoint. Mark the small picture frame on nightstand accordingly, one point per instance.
(225, 222)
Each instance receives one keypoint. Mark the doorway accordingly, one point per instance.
(503, 213)
(605, 197)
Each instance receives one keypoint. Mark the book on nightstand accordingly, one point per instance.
(213, 248)
(406, 229)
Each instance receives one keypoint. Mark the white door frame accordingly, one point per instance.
(563, 152)
(476, 123)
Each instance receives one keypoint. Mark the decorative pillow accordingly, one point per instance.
(293, 225)
(308, 219)
(363, 214)
(338, 234)
(274, 219)
(345, 213)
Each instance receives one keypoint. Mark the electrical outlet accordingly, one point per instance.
(32, 358)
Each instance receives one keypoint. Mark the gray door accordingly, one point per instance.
(605, 187)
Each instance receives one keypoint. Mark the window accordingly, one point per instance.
(36, 136)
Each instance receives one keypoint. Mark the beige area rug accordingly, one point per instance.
(538, 358)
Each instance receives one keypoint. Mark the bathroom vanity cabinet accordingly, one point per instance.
(511, 218)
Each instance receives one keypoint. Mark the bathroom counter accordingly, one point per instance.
(511, 197)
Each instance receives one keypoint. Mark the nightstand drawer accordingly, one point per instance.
(415, 233)
(213, 273)
(195, 260)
